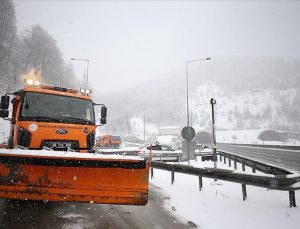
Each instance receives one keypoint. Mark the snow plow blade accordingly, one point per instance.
(75, 177)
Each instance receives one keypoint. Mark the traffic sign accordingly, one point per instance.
(188, 133)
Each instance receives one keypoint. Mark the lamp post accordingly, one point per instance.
(87, 69)
(187, 99)
(214, 148)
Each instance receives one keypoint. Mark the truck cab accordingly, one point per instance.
(51, 117)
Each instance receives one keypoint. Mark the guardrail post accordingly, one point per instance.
(172, 177)
(178, 160)
(244, 191)
(220, 157)
(151, 172)
(229, 161)
(160, 157)
(243, 165)
(253, 167)
(224, 159)
(200, 183)
(234, 162)
(292, 198)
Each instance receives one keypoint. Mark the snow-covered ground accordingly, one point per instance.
(238, 136)
(238, 110)
(260, 108)
(220, 205)
(247, 136)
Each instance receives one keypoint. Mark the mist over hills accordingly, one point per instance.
(247, 90)
(250, 73)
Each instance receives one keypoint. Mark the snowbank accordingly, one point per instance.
(220, 204)
(66, 154)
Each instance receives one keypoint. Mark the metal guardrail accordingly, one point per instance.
(289, 182)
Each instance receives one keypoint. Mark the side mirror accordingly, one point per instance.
(4, 102)
(103, 115)
(4, 113)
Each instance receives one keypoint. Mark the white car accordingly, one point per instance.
(162, 153)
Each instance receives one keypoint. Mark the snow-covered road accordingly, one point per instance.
(52, 215)
(283, 158)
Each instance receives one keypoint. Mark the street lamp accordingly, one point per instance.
(87, 69)
(213, 102)
(187, 99)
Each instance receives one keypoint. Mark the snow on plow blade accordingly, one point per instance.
(76, 177)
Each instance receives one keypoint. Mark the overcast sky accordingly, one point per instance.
(130, 42)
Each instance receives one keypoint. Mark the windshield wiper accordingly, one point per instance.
(77, 119)
(58, 119)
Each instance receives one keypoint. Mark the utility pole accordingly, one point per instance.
(87, 70)
(214, 147)
(187, 100)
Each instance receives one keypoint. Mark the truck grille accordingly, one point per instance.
(60, 145)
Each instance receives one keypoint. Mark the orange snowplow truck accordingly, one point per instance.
(113, 141)
(50, 151)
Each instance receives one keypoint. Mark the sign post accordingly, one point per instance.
(188, 134)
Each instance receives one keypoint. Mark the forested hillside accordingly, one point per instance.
(33, 51)
(250, 93)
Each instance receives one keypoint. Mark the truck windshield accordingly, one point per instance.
(116, 138)
(57, 108)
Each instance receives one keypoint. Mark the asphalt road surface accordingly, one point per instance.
(288, 159)
(32, 214)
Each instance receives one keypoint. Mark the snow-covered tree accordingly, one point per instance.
(7, 43)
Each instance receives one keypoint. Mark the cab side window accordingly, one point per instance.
(166, 148)
(156, 147)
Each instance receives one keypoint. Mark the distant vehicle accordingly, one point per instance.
(162, 153)
(109, 141)
(198, 146)
(205, 153)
